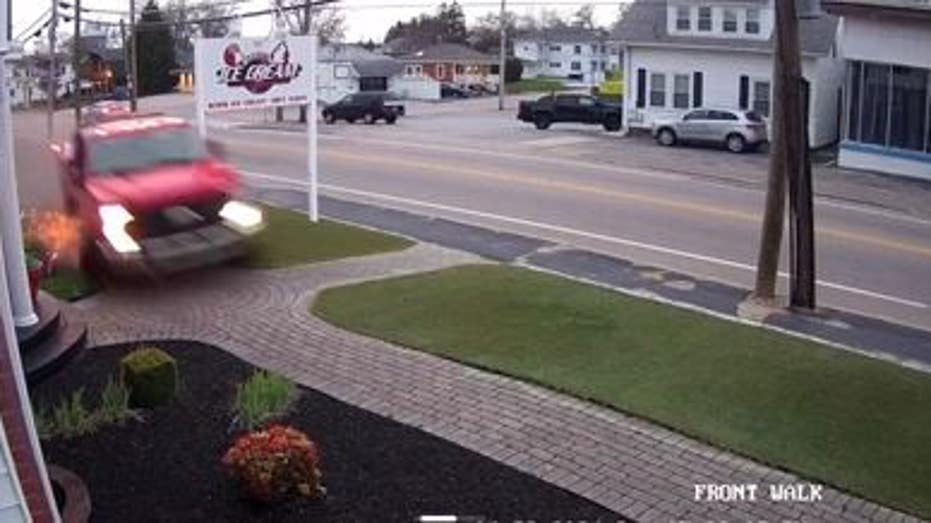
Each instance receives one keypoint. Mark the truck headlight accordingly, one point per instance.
(114, 218)
(242, 216)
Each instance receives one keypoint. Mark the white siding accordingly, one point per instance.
(541, 59)
(12, 507)
(902, 42)
(414, 87)
(721, 86)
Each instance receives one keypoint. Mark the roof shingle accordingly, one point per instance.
(644, 23)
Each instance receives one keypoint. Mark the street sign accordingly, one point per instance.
(255, 73)
(252, 73)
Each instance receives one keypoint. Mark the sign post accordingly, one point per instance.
(234, 74)
(312, 202)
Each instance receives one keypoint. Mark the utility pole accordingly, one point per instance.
(126, 69)
(785, 153)
(502, 58)
(76, 63)
(51, 86)
(133, 63)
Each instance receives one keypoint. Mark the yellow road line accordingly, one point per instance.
(657, 201)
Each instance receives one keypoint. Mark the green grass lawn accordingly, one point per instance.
(535, 85)
(854, 422)
(68, 284)
(291, 239)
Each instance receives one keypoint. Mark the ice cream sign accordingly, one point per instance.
(259, 70)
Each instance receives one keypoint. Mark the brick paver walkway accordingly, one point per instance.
(628, 465)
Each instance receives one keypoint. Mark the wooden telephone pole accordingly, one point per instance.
(786, 145)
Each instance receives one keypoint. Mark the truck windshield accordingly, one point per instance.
(124, 154)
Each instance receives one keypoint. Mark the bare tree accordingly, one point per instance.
(584, 17)
(328, 22)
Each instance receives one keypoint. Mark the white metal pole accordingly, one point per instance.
(200, 84)
(10, 221)
(502, 59)
(312, 207)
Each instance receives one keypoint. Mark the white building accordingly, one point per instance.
(347, 69)
(577, 55)
(683, 54)
(887, 103)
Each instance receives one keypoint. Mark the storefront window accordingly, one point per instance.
(874, 121)
(853, 123)
(889, 106)
(909, 108)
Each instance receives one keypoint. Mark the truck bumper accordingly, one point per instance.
(177, 252)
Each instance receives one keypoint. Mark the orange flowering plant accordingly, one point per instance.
(275, 463)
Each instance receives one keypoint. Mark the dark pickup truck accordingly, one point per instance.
(576, 108)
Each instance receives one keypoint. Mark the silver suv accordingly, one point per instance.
(738, 131)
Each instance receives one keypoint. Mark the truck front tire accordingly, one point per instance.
(542, 121)
(612, 124)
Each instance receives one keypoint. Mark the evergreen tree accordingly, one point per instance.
(156, 57)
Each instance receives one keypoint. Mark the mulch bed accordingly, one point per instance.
(167, 468)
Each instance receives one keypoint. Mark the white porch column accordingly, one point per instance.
(10, 221)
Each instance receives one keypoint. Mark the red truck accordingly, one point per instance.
(151, 197)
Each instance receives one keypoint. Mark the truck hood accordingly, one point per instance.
(165, 186)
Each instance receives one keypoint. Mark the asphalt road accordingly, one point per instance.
(472, 164)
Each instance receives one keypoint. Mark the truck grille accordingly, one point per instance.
(172, 220)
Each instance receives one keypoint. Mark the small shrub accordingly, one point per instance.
(262, 397)
(45, 426)
(114, 403)
(71, 417)
(151, 375)
(274, 464)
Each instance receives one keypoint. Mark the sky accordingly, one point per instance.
(365, 18)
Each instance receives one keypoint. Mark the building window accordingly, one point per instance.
(874, 119)
(752, 24)
(704, 19)
(373, 83)
(341, 71)
(555, 65)
(761, 103)
(680, 96)
(577, 49)
(907, 125)
(657, 90)
(556, 48)
(853, 112)
(576, 66)
(604, 66)
(889, 106)
(494, 69)
(441, 71)
(594, 48)
(594, 65)
(603, 49)
(413, 70)
(460, 69)
(683, 18)
(730, 20)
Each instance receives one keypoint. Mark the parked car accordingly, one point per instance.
(151, 198)
(738, 131)
(451, 91)
(106, 110)
(368, 107)
(479, 90)
(576, 108)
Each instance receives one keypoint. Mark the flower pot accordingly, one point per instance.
(38, 269)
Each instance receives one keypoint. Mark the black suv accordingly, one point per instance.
(368, 107)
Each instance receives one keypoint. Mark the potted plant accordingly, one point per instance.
(38, 266)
